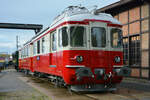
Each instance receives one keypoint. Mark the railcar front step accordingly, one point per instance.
(93, 88)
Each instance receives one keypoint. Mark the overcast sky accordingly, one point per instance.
(34, 12)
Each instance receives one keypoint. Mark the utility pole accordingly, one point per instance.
(17, 42)
(17, 53)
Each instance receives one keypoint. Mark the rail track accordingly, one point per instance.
(125, 91)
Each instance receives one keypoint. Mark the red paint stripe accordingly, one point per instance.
(114, 25)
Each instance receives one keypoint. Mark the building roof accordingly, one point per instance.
(121, 6)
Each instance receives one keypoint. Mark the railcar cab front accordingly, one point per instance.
(95, 47)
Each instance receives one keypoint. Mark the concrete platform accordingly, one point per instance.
(12, 88)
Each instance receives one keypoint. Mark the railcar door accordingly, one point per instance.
(31, 57)
(99, 45)
(53, 52)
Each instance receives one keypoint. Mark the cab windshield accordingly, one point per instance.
(77, 36)
(116, 38)
(98, 36)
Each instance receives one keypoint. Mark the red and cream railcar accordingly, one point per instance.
(80, 49)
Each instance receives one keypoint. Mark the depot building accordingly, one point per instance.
(135, 17)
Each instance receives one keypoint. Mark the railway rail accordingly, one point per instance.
(128, 90)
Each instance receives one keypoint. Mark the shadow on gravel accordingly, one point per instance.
(136, 86)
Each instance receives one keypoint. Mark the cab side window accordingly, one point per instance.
(116, 38)
(63, 37)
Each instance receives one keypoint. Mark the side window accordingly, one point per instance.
(27, 51)
(47, 43)
(98, 36)
(19, 54)
(63, 37)
(23, 52)
(54, 44)
(38, 47)
(116, 38)
(31, 49)
(34, 48)
(43, 44)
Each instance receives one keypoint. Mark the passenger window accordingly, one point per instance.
(63, 37)
(34, 48)
(98, 36)
(43, 45)
(27, 51)
(21, 53)
(38, 47)
(77, 36)
(24, 52)
(54, 44)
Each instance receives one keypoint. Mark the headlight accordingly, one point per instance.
(117, 71)
(117, 59)
(79, 59)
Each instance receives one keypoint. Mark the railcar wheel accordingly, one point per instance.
(69, 89)
(26, 72)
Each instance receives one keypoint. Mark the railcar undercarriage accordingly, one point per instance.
(89, 87)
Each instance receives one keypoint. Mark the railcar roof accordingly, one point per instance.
(76, 13)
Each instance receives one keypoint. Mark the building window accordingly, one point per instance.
(38, 47)
(135, 55)
(125, 51)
